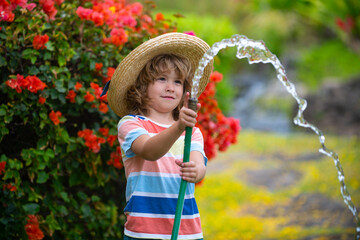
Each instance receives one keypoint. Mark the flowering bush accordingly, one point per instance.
(60, 162)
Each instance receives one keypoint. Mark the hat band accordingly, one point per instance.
(106, 88)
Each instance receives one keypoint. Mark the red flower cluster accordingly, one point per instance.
(91, 140)
(10, 187)
(119, 16)
(2, 167)
(6, 8)
(110, 73)
(31, 83)
(54, 117)
(219, 131)
(40, 41)
(71, 96)
(48, 7)
(32, 228)
(116, 159)
(346, 25)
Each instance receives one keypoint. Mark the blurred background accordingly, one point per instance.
(274, 184)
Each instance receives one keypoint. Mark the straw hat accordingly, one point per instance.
(125, 75)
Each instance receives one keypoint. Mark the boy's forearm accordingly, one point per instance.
(200, 165)
(157, 146)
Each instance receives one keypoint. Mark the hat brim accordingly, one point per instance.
(125, 75)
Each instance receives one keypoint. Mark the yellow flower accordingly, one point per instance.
(113, 9)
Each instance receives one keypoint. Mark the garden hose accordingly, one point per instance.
(183, 185)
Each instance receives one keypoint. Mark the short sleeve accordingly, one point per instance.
(197, 143)
(129, 129)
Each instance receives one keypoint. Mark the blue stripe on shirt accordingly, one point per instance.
(156, 184)
(155, 205)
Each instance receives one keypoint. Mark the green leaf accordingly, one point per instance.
(82, 195)
(33, 59)
(65, 196)
(42, 177)
(86, 210)
(2, 112)
(52, 223)
(61, 60)
(95, 198)
(2, 61)
(50, 47)
(47, 55)
(31, 208)
(63, 210)
(43, 115)
(29, 53)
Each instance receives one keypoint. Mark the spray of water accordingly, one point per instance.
(256, 52)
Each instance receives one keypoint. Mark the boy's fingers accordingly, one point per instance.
(198, 106)
(186, 99)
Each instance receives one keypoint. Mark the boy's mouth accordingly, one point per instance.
(168, 97)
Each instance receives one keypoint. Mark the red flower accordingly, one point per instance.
(59, 2)
(97, 18)
(32, 83)
(345, 25)
(84, 13)
(115, 159)
(98, 66)
(32, 228)
(71, 96)
(42, 100)
(78, 86)
(10, 187)
(118, 36)
(40, 41)
(30, 6)
(2, 167)
(110, 73)
(48, 7)
(35, 84)
(97, 90)
(103, 108)
(104, 131)
(159, 17)
(91, 140)
(216, 77)
(54, 117)
(111, 139)
(16, 83)
(88, 97)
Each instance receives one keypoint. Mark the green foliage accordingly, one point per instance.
(331, 60)
(71, 184)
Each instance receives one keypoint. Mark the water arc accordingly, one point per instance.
(256, 52)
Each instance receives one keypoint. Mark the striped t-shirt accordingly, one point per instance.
(153, 186)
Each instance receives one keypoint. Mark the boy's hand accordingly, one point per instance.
(194, 170)
(187, 117)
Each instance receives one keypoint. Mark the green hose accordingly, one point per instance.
(183, 184)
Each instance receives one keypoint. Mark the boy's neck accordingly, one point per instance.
(165, 118)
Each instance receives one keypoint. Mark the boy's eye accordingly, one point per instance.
(179, 82)
(161, 78)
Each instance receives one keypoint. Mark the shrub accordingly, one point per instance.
(60, 163)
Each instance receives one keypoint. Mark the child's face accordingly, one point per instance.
(165, 93)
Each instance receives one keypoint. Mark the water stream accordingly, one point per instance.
(256, 52)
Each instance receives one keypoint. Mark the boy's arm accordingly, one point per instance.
(153, 148)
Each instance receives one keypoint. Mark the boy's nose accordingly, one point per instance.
(169, 87)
